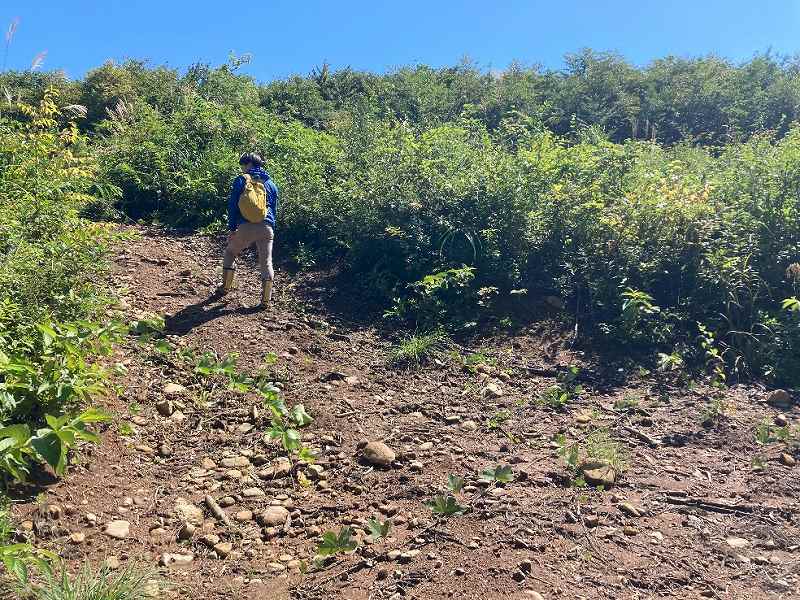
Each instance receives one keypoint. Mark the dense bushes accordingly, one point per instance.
(49, 262)
(451, 190)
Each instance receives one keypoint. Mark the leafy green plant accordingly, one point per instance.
(49, 444)
(285, 425)
(377, 529)
(626, 403)
(445, 505)
(500, 474)
(337, 543)
(565, 390)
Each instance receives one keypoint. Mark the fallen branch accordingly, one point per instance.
(642, 436)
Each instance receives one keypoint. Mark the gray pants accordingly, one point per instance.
(246, 235)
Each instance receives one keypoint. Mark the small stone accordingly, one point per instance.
(393, 554)
(165, 450)
(583, 419)
(630, 510)
(253, 492)
(188, 513)
(525, 566)
(629, 530)
(243, 516)
(492, 390)
(237, 462)
(426, 446)
(737, 542)
(781, 420)
(779, 399)
(378, 453)
(173, 389)
(276, 567)
(226, 501)
(591, 520)
(209, 539)
(597, 474)
(274, 516)
(112, 563)
(469, 425)
(452, 419)
(518, 576)
(409, 555)
(788, 459)
(657, 536)
(175, 560)
(77, 537)
(208, 464)
(186, 531)
(118, 529)
(165, 407)
(533, 594)
(90, 518)
(223, 549)
(416, 466)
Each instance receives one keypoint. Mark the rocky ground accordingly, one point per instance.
(186, 482)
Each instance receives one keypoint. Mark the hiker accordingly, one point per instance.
(252, 209)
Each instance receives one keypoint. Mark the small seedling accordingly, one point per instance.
(565, 390)
(377, 529)
(455, 483)
(499, 474)
(333, 543)
(497, 420)
(445, 505)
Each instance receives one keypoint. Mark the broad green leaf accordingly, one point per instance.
(163, 346)
(20, 433)
(50, 449)
(93, 415)
(299, 415)
(500, 474)
(445, 505)
(377, 529)
(306, 455)
(334, 544)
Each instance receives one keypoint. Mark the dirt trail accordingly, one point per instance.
(689, 517)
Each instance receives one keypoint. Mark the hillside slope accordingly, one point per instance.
(688, 516)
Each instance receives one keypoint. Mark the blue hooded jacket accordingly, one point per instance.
(235, 217)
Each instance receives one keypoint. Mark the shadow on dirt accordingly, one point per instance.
(199, 313)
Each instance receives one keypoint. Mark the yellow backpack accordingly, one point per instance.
(253, 200)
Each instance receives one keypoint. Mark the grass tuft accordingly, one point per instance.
(418, 349)
(131, 583)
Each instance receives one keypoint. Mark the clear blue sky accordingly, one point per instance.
(288, 37)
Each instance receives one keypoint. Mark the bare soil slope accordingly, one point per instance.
(688, 517)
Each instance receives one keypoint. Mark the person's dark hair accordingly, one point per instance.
(252, 158)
